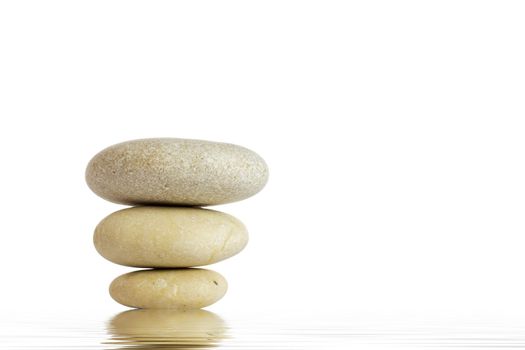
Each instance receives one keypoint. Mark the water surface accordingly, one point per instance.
(164, 329)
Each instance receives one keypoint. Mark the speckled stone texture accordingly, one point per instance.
(169, 237)
(170, 171)
(166, 328)
(180, 289)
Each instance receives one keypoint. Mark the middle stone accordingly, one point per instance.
(169, 237)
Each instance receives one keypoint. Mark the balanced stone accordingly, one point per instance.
(171, 171)
(181, 289)
(169, 237)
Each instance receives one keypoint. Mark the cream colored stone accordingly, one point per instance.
(181, 289)
(173, 171)
(167, 328)
(169, 237)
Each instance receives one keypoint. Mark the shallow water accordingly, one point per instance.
(163, 329)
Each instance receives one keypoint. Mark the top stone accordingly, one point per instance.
(169, 171)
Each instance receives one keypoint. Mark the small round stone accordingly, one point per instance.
(169, 237)
(167, 328)
(171, 171)
(181, 289)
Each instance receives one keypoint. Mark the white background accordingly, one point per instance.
(394, 133)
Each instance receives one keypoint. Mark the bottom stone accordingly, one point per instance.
(181, 289)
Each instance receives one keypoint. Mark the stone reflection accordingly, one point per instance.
(166, 329)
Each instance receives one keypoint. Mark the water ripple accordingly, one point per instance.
(165, 329)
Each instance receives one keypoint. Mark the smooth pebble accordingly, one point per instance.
(180, 289)
(169, 237)
(170, 171)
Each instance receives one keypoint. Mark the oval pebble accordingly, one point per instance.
(169, 237)
(172, 171)
(181, 289)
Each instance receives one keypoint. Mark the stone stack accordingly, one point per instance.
(168, 180)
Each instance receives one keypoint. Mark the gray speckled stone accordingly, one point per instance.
(169, 171)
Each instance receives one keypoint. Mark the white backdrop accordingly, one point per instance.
(394, 133)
